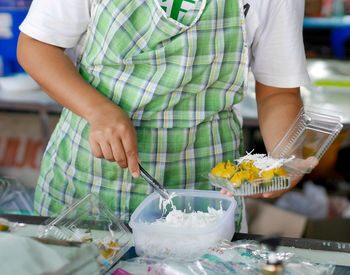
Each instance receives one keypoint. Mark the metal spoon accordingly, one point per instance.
(154, 183)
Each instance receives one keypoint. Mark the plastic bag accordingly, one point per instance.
(254, 255)
(24, 255)
(89, 220)
(241, 257)
(206, 265)
(15, 198)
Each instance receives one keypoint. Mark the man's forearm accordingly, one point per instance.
(57, 75)
(277, 109)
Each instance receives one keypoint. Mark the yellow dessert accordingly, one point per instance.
(246, 165)
(4, 227)
(246, 171)
(267, 175)
(242, 176)
(108, 250)
(280, 172)
(224, 170)
(255, 170)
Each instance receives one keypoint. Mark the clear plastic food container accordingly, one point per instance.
(309, 137)
(176, 241)
(89, 220)
(306, 141)
(257, 186)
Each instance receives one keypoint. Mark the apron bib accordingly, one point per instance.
(177, 80)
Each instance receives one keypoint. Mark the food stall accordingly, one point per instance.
(200, 238)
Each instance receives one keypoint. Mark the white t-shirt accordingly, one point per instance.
(274, 34)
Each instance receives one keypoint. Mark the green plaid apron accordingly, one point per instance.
(177, 80)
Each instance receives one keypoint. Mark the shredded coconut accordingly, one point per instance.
(183, 244)
(178, 218)
(163, 203)
(196, 219)
(264, 162)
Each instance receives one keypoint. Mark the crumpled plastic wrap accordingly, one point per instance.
(15, 198)
(240, 257)
(254, 255)
(23, 255)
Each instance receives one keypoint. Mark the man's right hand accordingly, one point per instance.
(113, 137)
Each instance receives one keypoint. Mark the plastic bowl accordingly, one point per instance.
(163, 240)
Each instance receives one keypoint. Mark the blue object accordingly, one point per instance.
(12, 13)
(15, 3)
(326, 22)
(339, 36)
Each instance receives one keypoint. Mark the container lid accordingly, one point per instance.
(90, 220)
(308, 138)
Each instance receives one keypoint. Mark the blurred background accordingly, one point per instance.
(318, 208)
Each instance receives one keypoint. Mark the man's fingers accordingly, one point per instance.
(311, 162)
(271, 195)
(305, 164)
(118, 153)
(258, 196)
(96, 149)
(225, 192)
(130, 147)
(107, 151)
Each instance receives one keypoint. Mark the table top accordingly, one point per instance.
(20, 92)
(320, 251)
(28, 101)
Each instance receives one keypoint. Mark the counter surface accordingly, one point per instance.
(319, 251)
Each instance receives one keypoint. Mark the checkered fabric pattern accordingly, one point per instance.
(178, 82)
(164, 74)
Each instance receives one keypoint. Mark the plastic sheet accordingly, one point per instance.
(91, 221)
(15, 198)
(23, 255)
(241, 257)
